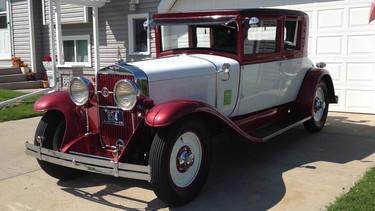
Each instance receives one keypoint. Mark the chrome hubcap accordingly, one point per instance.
(185, 159)
(319, 105)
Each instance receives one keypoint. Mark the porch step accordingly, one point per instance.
(12, 78)
(21, 85)
(9, 70)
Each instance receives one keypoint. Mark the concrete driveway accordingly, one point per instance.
(294, 171)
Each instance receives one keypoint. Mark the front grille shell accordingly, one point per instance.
(105, 81)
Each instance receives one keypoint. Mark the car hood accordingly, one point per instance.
(181, 66)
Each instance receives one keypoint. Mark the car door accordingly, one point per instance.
(295, 62)
(261, 74)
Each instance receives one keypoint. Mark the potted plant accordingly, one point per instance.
(47, 63)
(16, 61)
(45, 82)
(24, 68)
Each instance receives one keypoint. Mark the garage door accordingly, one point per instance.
(339, 35)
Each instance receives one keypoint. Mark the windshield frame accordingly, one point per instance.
(229, 20)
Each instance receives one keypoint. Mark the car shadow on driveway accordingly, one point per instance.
(246, 175)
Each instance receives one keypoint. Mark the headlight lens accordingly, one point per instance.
(125, 93)
(79, 89)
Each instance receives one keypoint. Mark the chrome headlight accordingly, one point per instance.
(125, 94)
(79, 90)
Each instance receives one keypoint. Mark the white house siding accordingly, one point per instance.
(21, 36)
(72, 14)
(339, 35)
(113, 29)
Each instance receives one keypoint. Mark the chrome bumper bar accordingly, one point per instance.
(87, 163)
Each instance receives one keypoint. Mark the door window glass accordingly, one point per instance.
(261, 39)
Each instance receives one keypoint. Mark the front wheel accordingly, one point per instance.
(179, 160)
(319, 109)
(52, 128)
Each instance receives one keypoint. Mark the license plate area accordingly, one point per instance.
(113, 117)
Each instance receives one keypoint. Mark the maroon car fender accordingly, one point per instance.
(307, 91)
(167, 113)
(74, 115)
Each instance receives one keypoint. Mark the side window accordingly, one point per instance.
(77, 49)
(139, 40)
(203, 37)
(261, 39)
(291, 35)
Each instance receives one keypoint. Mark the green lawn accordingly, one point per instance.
(360, 197)
(18, 110)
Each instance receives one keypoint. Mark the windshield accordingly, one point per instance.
(215, 35)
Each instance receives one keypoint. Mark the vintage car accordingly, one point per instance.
(243, 72)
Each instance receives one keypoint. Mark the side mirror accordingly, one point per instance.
(321, 65)
(254, 22)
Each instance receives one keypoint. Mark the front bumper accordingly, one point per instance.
(89, 163)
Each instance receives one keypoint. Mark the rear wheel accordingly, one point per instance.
(52, 128)
(179, 160)
(319, 110)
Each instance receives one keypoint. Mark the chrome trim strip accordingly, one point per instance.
(123, 68)
(91, 164)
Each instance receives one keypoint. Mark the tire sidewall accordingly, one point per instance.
(173, 194)
(322, 121)
(315, 126)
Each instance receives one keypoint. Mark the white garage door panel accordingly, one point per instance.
(339, 35)
(359, 99)
(336, 71)
(329, 45)
(360, 73)
(330, 19)
(358, 16)
(361, 44)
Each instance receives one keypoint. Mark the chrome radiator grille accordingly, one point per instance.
(108, 132)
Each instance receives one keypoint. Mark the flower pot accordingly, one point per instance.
(15, 64)
(25, 70)
(45, 84)
(47, 65)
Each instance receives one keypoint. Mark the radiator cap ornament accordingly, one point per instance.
(105, 92)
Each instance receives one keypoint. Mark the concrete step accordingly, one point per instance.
(21, 85)
(6, 62)
(9, 70)
(12, 78)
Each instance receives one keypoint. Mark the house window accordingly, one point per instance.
(139, 40)
(77, 50)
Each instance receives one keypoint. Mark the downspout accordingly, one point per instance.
(52, 44)
(58, 33)
(10, 21)
(95, 28)
(32, 35)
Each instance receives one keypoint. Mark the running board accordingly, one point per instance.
(277, 128)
